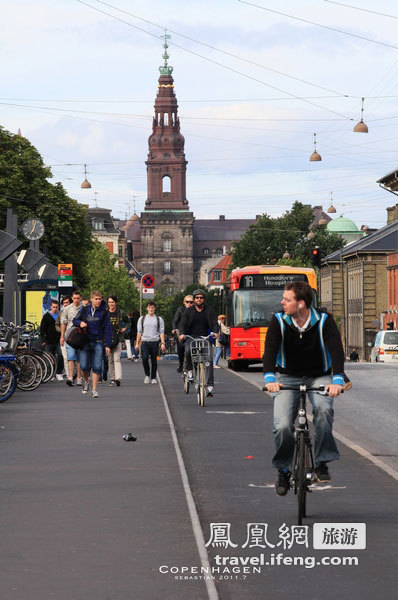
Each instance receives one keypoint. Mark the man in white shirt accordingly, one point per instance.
(150, 330)
(67, 316)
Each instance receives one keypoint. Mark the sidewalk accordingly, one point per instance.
(85, 515)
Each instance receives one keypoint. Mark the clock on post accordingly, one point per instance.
(32, 229)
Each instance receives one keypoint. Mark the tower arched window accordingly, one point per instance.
(167, 244)
(166, 184)
(166, 119)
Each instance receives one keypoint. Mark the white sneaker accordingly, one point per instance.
(59, 377)
(86, 387)
(147, 379)
(216, 367)
(94, 394)
(154, 381)
(79, 381)
(210, 389)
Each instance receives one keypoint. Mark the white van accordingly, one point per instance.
(385, 348)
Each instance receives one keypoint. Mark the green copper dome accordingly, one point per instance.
(342, 225)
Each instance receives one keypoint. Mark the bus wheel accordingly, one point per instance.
(236, 365)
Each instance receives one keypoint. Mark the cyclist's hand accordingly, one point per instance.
(62, 341)
(274, 388)
(181, 337)
(83, 324)
(334, 389)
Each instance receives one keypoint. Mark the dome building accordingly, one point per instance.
(346, 228)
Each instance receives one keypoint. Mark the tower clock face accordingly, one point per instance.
(32, 229)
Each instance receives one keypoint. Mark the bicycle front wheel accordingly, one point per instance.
(202, 385)
(301, 474)
(186, 384)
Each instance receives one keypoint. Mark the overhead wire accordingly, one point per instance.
(361, 37)
(219, 64)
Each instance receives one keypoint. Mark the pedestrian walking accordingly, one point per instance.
(222, 341)
(188, 301)
(49, 337)
(69, 312)
(131, 335)
(94, 320)
(118, 320)
(150, 330)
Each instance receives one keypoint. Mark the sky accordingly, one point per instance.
(254, 82)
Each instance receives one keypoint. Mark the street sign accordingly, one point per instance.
(65, 275)
(147, 281)
(148, 293)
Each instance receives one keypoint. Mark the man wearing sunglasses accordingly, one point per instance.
(199, 320)
(188, 301)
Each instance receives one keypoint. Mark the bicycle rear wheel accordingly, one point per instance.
(28, 371)
(8, 380)
(301, 475)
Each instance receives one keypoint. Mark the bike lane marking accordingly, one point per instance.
(193, 513)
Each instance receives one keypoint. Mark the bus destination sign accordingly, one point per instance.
(274, 281)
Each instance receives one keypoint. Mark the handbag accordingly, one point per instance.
(115, 339)
(76, 338)
(223, 339)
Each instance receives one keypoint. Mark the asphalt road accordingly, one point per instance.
(85, 515)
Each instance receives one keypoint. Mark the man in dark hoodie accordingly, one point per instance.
(199, 320)
(304, 346)
(49, 336)
(94, 319)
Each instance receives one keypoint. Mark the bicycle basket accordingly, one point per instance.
(200, 351)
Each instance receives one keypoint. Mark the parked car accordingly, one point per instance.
(385, 348)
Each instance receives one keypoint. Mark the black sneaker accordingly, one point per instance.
(322, 472)
(282, 485)
(69, 382)
(179, 369)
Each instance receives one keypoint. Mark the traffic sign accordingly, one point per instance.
(148, 293)
(147, 281)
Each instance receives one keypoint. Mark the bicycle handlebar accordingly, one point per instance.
(303, 388)
(201, 337)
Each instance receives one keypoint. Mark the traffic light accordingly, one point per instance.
(316, 256)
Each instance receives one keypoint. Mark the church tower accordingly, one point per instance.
(166, 223)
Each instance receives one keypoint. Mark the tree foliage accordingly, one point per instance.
(102, 275)
(25, 188)
(268, 238)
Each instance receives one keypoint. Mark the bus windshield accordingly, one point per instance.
(254, 308)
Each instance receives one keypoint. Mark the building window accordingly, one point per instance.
(109, 245)
(206, 251)
(217, 276)
(167, 245)
(166, 119)
(166, 266)
(166, 184)
(121, 251)
(98, 225)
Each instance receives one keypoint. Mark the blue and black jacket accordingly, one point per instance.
(98, 324)
(314, 352)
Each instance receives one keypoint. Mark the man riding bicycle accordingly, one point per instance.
(199, 320)
(304, 346)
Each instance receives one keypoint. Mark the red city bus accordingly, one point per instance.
(254, 294)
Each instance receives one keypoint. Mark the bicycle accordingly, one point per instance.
(303, 473)
(201, 357)
(8, 374)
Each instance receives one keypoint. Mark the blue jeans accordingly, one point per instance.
(149, 350)
(91, 357)
(285, 412)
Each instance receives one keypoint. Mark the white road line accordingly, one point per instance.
(197, 530)
(315, 486)
(237, 412)
(344, 440)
